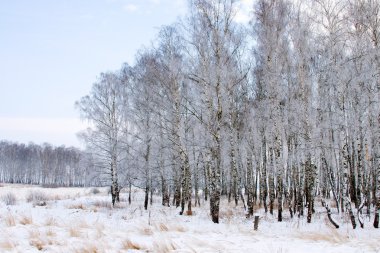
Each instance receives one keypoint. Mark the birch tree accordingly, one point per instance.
(104, 109)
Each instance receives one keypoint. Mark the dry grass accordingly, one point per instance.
(83, 224)
(50, 221)
(332, 204)
(10, 220)
(34, 233)
(7, 245)
(35, 239)
(57, 197)
(50, 233)
(26, 220)
(74, 232)
(128, 244)
(162, 227)
(37, 196)
(146, 231)
(41, 240)
(9, 199)
(108, 205)
(226, 214)
(88, 249)
(77, 206)
(179, 228)
(37, 243)
(333, 237)
(165, 245)
(103, 204)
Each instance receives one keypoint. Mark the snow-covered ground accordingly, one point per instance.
(79, 220)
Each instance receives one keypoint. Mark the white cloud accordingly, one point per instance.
(130, 7)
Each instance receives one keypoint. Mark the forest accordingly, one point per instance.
(279, 113)
(46, 165)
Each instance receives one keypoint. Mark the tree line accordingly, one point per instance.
(46, 165)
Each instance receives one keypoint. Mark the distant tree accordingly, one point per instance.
(105, 109)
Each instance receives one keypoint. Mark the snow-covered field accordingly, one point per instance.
(81, 220)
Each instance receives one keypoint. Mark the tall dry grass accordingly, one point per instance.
(7, 245)
(77, 206)
(36, 240)
(51, 221)
(75, 232)
(164, 245)
(129, 245)
(333, 236)
(26, 220)
(89, 248)
(37, 196)
(9, 199)
(10, 220)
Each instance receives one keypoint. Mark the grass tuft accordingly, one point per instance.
(50, 221)
(37, 197)
(128, 244)
(88, 249)
(103, 204)
(74, 232)
(6, 245)
(26, 220)
(10, 220)
(77, 206)
(9, 199)
(50, 233)
(163, 227)
(37, 243)
(146, 231)
(163, 246)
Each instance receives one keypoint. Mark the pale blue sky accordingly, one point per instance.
(51, 52)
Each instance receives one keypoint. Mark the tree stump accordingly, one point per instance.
(256, 222)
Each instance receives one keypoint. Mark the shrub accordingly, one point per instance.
(9, 199)
(95, 191)
(37, 197)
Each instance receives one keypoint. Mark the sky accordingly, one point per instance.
(51, 53)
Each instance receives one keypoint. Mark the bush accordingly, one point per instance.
(9, 199)
(95, 191)
(37, 196)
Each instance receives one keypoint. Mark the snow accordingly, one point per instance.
(77, 220)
